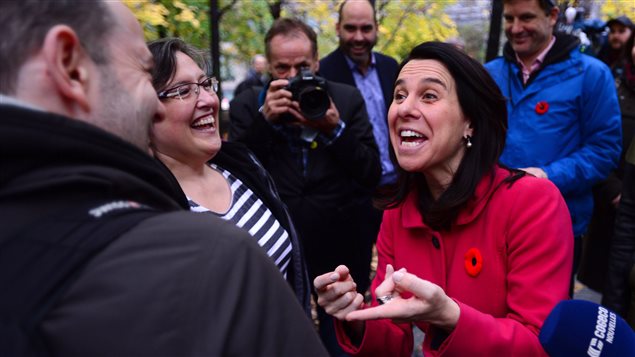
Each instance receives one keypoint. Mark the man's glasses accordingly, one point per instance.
(184, 91)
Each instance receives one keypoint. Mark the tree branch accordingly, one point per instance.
(379, 10)
(402, 18)
(226, 8)
(275, 8)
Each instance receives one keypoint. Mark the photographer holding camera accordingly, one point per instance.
(302, 98)
(314, 138)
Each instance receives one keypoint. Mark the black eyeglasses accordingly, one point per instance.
(185, 90)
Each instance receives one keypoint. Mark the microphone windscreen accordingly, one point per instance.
(583, 328)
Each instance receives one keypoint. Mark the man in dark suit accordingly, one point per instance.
(326, 167)
(354, 63)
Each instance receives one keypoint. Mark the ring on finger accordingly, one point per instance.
(384, 299)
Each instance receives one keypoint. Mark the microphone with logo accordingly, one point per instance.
(583, 328)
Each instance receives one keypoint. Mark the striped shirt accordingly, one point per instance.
(248, 212)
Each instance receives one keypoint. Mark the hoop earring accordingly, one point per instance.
(468, 141)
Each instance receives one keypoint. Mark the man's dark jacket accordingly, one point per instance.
(335, 68)
(330, 203)
(597, 242)
(253, 80)
(619, 289)
(176, 284)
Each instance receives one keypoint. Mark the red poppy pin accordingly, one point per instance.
(473, 262)
(542, 107)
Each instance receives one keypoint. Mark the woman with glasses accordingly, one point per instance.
(220, 178)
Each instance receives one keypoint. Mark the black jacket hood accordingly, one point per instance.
(42, 152)
(558, 53)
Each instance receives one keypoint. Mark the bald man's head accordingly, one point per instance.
(357, 30)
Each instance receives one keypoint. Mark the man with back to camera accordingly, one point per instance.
(564, 119)
(99, 254)
(326, 167)
(374, 74)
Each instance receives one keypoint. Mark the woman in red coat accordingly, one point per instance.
(474, 254)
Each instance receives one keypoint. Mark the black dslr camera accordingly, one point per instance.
(310, 91)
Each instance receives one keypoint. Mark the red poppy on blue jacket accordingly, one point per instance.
(542, 107)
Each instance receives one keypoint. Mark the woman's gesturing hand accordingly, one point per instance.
(336, 292)
(429, 302)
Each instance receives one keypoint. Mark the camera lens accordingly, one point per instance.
(314, 102)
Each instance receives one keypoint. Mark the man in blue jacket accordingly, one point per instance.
(564, 118)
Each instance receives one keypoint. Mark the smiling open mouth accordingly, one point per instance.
(411, 138)
(204, 123)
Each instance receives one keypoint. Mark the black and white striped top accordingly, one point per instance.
(247, 211)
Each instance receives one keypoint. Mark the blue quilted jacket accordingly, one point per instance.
(565, 120)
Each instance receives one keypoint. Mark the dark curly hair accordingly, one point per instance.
(164, 53)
